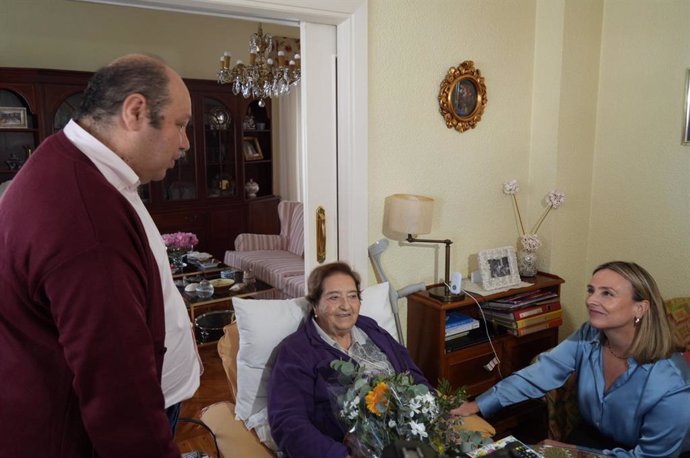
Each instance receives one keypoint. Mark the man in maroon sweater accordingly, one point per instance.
(81, 307)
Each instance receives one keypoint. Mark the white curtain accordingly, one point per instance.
(287, 163)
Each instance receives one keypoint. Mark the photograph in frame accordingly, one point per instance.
(464, 97)
(13, 118)
(498, 268)
(252, 149)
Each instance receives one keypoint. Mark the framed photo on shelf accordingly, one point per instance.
(498, 268)
(13, 118)
(251, 149)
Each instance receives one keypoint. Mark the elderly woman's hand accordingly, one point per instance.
(466, 409)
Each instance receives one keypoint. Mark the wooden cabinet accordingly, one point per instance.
(204, 193)
(465, 367)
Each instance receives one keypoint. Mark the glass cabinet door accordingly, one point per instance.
(66, 110)
(219, 145)
(18, 133)
(180, 183)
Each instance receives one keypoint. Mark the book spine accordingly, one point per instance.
(517, 324)
(536, 310)
(462, 327)
(523, 313)
(536, 328)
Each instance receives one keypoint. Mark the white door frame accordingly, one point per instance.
(351, 22)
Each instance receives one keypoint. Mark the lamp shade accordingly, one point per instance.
(408, 213)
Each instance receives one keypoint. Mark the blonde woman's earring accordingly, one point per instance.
(637, 321)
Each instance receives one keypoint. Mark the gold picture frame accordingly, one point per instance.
(252, 149)
(462, 97)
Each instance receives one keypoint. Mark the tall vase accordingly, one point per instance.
(527, 262)
(176, 258)
(252, 187)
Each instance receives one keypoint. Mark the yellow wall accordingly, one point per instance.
(641, 185)
(583, 95)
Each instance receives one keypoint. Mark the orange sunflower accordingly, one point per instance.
(377, 399)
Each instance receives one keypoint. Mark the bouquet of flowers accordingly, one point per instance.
(180, 241)
(377, 410)
(554, 200)
(178, 244)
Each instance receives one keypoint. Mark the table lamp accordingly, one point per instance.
(411, 214)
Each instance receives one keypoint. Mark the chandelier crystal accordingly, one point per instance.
(268, 74)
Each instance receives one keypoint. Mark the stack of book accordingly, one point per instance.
(525, 313)
(458, 327)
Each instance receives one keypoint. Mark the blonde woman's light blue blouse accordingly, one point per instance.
(647, 407)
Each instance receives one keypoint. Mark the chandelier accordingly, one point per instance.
(267, 74)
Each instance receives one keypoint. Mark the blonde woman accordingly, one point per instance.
(633, 386)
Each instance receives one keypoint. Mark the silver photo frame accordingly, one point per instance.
(498, 268)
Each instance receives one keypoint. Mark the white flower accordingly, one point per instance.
(415, 405)
(418, 429)
(530, 242)
(555, 198)
(511, 187)
(392, 423)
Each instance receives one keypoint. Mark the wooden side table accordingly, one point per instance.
(426, 319)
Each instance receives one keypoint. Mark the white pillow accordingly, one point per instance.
(376, 305)
(263, 324)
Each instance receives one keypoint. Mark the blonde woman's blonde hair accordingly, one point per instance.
(653, 337)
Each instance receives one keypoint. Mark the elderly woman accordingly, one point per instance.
(300, 412)
(633, 388)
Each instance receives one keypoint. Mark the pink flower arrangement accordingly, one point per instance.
(554, 199)
(180, 240)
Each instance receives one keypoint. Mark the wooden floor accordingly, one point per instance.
(214, 388)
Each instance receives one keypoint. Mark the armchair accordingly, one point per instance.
(277, 259)
(247, 350)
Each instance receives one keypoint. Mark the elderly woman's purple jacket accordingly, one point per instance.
(301, 412)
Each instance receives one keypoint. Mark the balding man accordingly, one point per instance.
(89, 318)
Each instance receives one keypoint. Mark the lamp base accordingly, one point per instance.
(443, 294)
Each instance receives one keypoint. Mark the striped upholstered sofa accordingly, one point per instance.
(275, 259)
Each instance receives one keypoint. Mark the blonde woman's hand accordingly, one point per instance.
(466, 409)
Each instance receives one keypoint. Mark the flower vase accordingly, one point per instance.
(176, 258)
(527, 263)
(252, 187)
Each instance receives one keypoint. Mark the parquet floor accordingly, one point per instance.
(214, 388)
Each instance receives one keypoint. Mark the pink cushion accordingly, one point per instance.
(296, 232)
(251, 242)
(271, 266)
(295, 286)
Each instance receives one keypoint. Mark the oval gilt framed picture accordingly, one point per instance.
(462, 97)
